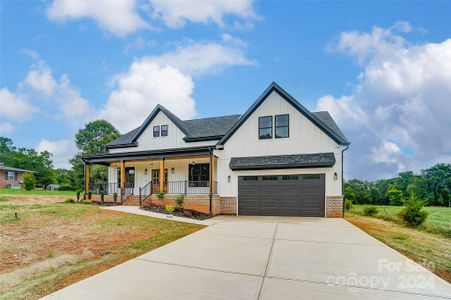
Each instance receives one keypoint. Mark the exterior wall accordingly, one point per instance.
(305, 137)
(334, 207)
(4, 183)
(174, 139)
(228, 205)
(180, 174)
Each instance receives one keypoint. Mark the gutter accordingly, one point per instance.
(210, 150)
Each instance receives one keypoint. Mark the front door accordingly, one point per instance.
(156, 180)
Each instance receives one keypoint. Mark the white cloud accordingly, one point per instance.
(15, 107)
(41, 80)
(6, 128)
(62, 151)
(145, 85)
(204, 57)
(398, 114)
(119, 17)
(176, 14)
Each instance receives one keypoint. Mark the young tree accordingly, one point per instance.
(29, 181)
(395, 196)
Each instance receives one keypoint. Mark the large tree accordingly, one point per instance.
(91, 140)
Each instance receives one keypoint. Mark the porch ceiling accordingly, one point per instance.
(173, 153)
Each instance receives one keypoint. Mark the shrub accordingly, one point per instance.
(89, 195)
(161, 196)
(65, 187)
(114, 197)
(413, 213)
(87, 201)
(102, 197)
(78, 196)
(348, 205)
(29, 181)
(370, 211)
(169, 208)
(180, 200)
(69, 200)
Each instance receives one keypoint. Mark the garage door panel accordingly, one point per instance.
(283, 195)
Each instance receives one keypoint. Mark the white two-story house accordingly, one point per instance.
(278, 158)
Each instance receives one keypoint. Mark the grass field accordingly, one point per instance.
(438, 221)
(36, 192)
(429, 244)
(51, 245)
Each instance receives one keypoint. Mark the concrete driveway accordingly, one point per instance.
(266, 258)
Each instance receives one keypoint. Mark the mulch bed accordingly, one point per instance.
(186, 213)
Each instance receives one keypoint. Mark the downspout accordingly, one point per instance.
(343, 179)
(210, 150)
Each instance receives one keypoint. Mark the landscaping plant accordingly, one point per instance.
(348, 205)
(78, 195)
(29, 181)
(413, 213)
(102, 197)
(114, 197)
(169, 209)
(180, 200)
(89, 195)
(370, 211)
(161, 196)
(69, 200)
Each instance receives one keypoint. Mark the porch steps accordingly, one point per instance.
(132, 200)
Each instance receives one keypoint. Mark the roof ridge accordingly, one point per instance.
(232, 115)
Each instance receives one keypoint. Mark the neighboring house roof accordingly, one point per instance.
(282, 161)
(274, 87)
(223, 127)
(5, 168)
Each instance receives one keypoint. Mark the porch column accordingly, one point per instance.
(162, 174)
(86, 179)
(122, 176)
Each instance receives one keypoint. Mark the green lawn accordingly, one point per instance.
(36, 192)
(52, 245)
(438, 221)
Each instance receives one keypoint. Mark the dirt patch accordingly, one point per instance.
(34, 199)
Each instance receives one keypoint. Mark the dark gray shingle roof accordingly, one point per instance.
(6, 168)
(282, 161)
(214, 126)
(326, 118)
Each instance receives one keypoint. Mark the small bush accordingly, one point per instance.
(89, 195)
(169, 209)
(413, 213)
(69, 200)
(180, 200)
(78, 196)
(348, 205)
(161, 196)
(29, 181)
(102, 197)
(114, 197)
(87, 201)
(370, 211)
(65, 187)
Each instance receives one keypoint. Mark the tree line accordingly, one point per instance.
(89, 140)
(432, 185)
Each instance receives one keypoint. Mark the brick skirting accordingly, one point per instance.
(334, 207)
(228, 205)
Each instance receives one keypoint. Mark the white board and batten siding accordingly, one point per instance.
(147, 142)
(304, 138)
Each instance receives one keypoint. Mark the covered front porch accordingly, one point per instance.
(136, 177)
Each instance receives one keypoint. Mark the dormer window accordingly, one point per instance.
(156, 131)
(164, 130)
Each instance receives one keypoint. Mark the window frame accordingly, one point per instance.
(197, 182)
(260, 128)
(8, 174)
(158, 131)
(282, 126)
(161, 130)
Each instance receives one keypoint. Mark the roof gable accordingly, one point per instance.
(315, 119)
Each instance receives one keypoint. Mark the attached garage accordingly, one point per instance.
(282, 195)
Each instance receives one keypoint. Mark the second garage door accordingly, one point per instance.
(282, 195)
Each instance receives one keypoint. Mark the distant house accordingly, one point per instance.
(11, 177)
(52, 187)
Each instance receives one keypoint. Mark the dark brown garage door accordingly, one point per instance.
(282, 195)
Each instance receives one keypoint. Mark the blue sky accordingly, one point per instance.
(381, 69)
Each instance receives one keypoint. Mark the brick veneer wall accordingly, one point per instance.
(334, 207)
(4, 182)
(228, 205)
